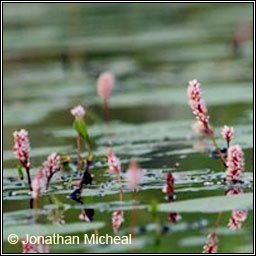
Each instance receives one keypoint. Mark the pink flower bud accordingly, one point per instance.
(39, 183)
(169, 186)
(105, 85)
(21, 147)
(117, 220)
(113, 162)
(133, 175)
(227, 133)
(51, 165)
(78, 111)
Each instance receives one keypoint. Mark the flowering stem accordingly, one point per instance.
(134, 216)
(218, 151)
(217, 222)
(79, 145)
(120, 187)
(82, 181)
(29, 179)
(106, 111)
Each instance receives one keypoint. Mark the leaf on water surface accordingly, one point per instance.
(192, 241)
(210, 204)
(39, 229)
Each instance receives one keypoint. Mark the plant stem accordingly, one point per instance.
(120, 187)
(134, 217)
(79, 146)
(106, 111)
(217, 222)
(218, 151)
(29, 179)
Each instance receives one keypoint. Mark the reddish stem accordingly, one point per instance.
(106, 111)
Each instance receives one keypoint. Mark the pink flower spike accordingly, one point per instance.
(117, 220)
(78, 111)
(113, 162)
(235, 164)
(211, 245)
(28, 247)
(227, 133)
(133, 175)
(234, 224)
(51, 165)
(198, 106)
(39, 183)
(169, 186)
(21, 148)
(105, 85)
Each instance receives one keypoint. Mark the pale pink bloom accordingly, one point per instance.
(240, 215)
(78, 111)
(21, 147)
(51, 165)
(169, 185)
(235, 164)
(227, 133)
(211, 245)
(39, 183)
(42, 248)
(234, 191)
(113, 162)
(105, 85)
(28, 248)
(133, 175)
(198, 127)
(234, 224)
(174, 217)
(35, 248)
(117, 220)
(198, 106)
(200, 146)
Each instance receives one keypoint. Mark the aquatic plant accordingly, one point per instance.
(39, 183)
(34, 247)
(211, 245)
(133, 175)
(105, 84)
(115, 167)
(117, 220)
(235, 164)
(227, 134)
(199, 109)
(21, 150)
(51, 166)
(81, 128)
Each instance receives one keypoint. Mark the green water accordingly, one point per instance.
(53, 54)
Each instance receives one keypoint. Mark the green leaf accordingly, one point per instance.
(211, 204)
(20, 172)
(81, 128)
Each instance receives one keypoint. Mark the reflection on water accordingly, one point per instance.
(53, 54)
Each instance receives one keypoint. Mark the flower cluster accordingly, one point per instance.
(34, 248)
(133, 175)
(113, 162)
(78, 111)
(169, 185)
(198, 106)
(237, 216)
(117, 220)
(21, 147)
(235, 164)
(105, 85)
(236, 219)
(211, 245)
(227, 133)
(39, 183)
(51, 165)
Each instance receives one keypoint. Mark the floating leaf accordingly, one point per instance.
(211, 204)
